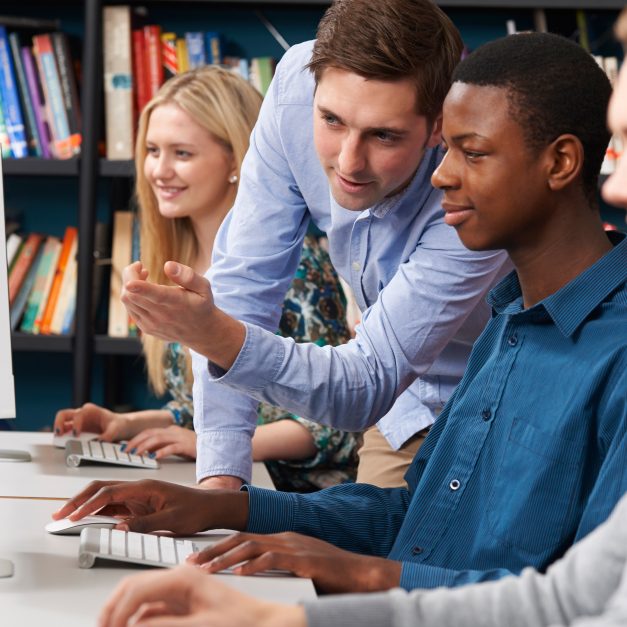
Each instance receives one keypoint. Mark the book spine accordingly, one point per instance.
(36, 98)
(168, 54)
(154, 58)
(55, 290)
(5, 142)
(68, 288)
(213, 48)
(55, 247)
(14, 241)
(69, 90)
(182, 59)
(140, 76)
(121, 252)
(32, 135)
(195, 50)
(51, 84)
(10, 100)
(18, 306)
(23, 263)
(36, 294)
(118, 82)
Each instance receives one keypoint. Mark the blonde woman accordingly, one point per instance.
(191, 141)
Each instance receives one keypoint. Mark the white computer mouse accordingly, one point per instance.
(67, 527)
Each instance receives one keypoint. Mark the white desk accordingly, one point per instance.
(49, 588)
(47, 476)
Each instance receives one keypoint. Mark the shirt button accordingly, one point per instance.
(512, 340)
(417, 550)
(356, 266)
(454, 485)
(486, 414)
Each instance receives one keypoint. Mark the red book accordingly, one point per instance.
(153, 58)
(140, 73)
(23, 263)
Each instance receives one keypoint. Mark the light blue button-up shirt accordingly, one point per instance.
(420, 291)
(529, 455)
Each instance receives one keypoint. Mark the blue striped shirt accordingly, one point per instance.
(528, 456)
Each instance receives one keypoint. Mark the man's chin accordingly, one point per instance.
(352, 202)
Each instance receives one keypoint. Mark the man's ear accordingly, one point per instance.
(435, 138)
(566, 161)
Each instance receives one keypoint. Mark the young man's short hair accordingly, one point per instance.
(555, 87)
(390, 41)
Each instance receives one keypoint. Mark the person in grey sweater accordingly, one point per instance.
(586, 588)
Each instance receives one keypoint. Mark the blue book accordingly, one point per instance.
(32, 134)
(11, 100)
(195, 50)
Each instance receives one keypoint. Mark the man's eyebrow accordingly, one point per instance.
(371, 129)
(461, 137)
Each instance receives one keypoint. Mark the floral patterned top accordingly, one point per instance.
(313, 311)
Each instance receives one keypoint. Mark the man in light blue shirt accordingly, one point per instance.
(357, 160)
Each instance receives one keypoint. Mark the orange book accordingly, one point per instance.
(68, 245)
(23, 263)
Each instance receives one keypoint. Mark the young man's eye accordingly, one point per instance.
(473, 155)
(385, 137)
(331, 120)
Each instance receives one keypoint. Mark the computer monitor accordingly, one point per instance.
(7, 387)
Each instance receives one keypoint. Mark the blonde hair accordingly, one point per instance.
(227, 106)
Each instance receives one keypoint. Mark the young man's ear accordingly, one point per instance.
(435, 138)
(566, 161)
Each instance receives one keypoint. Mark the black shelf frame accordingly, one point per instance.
(34, 166)
(470, 4)
(103, 344)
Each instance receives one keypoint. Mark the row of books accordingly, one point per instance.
(138, 60)
(615, 147)
(39, 103)
(42, 282)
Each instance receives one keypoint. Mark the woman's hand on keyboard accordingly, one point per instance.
(92, 418)
(331, 569)
(187, 596)
(150, 505)
(172, 440)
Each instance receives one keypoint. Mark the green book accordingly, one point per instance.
(45, 269)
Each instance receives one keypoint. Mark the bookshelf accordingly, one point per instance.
(88, 356)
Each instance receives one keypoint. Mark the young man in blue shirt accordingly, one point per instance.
(530, 454)
(350, 145)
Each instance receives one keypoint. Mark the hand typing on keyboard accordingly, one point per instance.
(156, 505)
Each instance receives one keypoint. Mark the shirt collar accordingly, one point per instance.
(571, 305)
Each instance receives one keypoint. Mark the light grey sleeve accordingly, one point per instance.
(588, 581)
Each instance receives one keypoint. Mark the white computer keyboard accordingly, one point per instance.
(105, 453)
(143, 548)
(128, 546)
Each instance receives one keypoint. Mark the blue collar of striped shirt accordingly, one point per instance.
(569, 307)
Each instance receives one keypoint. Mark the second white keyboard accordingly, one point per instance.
(128, 546)
(104, 453)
